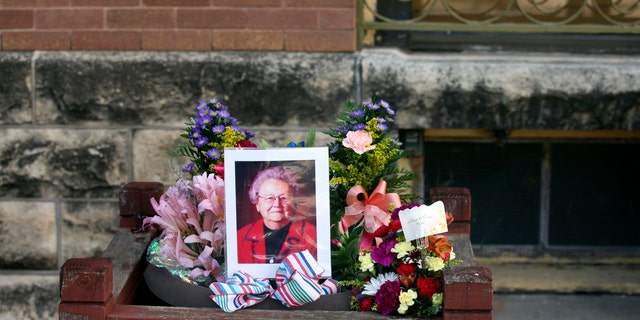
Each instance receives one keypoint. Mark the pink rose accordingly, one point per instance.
(359, 141)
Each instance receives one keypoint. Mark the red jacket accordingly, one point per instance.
(251, 244)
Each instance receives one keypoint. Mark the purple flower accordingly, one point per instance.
(387, 107)
(235, 128)
(387, 297)
(218, 129)
(213, 153)
(188, 167)
(372, 106)
(202, 141)
(359, 126)
(382, 127)
(334, 148)
(382, 254)
(357, 113)
(223, 114)
(249, 134)
(203, 120)
(195, 133)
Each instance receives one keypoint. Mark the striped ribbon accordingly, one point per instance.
(297, 283)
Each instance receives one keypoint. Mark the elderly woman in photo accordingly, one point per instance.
(280, 231)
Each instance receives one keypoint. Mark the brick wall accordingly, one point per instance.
(274, 25)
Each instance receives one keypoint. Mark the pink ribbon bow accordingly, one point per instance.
(297, 283)
(372, 211)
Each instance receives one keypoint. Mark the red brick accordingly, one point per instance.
(300, 19)
(454, 196)
(34, 3)
(141, 18)
(248, 40)
(134, 201)
(473, 315)
(247, 3)
(212, 18)
(320, 3)
(106, 3)
(86, 280)
(341, 41)
(342, 19)
(176, 40)
(265, 18)
(69, 19)
(38, 40)
(177, 3)
(468, 288)
(105, 40)
(16, 19)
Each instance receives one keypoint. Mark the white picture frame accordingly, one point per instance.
(310, 167)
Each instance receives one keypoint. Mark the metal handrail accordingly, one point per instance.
(507, 16)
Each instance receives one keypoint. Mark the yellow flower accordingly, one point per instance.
(406, 300)
(436, 299)
(366, 263)
(435, 264)
(403, 248)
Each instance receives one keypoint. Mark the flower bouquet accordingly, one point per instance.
(399, 275)
(369, 255)
(190, 214)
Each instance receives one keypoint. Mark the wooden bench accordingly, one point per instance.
(112, 287)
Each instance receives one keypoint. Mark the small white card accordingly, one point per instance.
(422, 221)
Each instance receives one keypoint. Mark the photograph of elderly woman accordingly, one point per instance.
(276, 210)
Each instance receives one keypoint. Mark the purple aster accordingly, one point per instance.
(372, 106)
(357, 113)
(387, 297)
(359, 126)
(202, 141)
(343, 129)
(213, 154)
(235, 128)
(334, 149)
(387, 107)
(382, 126)
(249, 134)
(223, 114)
(382, 254)
(217, 129)
(195, 133)
(203, 120)
(188, 167)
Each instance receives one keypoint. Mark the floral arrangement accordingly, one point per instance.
(212, 129)
(190, 214)
(191, 217)
(362, 156)
(370, 255)
(399, 275)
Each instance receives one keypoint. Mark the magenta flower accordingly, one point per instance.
(387, 297)
(382, 254)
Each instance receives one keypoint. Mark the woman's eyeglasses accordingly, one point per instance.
(271, 199)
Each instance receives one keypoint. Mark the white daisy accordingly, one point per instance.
(371, 288)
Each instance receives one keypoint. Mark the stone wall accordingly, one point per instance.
(76, 126)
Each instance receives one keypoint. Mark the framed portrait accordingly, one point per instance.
(277, 203)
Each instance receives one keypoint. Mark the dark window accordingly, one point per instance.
(595, 198)
(504, 182)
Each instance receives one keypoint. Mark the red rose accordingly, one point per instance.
(245, 144)
(381, 232)
(428, 286)
(395, 225)
(366, 304)
(406, 268)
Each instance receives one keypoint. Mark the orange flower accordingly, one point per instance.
(449, 217)
(441, 246)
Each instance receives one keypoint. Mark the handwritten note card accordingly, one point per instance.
(422, 221)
